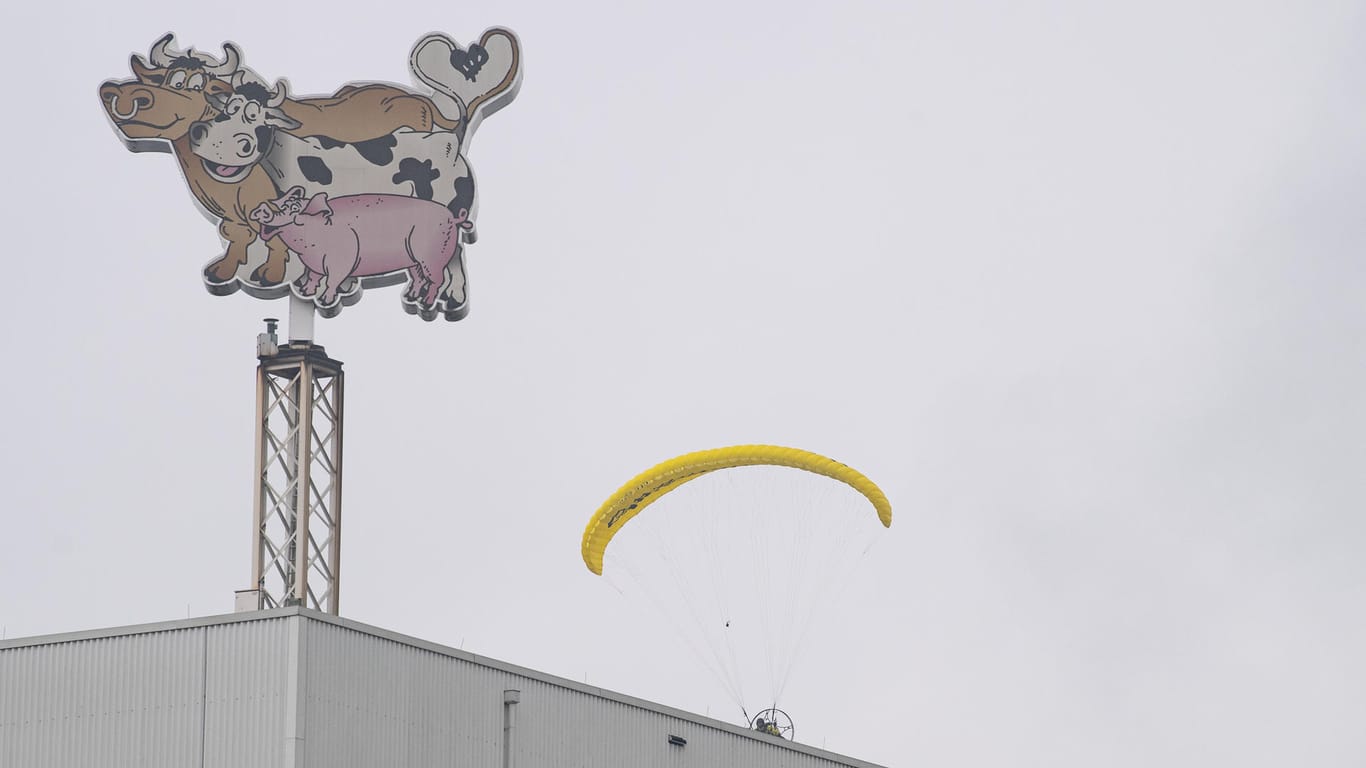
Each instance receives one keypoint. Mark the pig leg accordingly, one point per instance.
(436, 257)
(422, 267)
(308, 284)
(433, 290)
(434, 276)
(338, 267)
(414, 284)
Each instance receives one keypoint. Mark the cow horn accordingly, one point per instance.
(278, 97)
(232, 58)
(158, 55)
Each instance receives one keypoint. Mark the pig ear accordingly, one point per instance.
(295, 191)
(317, 206)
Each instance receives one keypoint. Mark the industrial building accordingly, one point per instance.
(296, 687)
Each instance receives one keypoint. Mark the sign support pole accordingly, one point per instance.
(300, 320)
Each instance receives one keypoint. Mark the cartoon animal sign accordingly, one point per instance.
(323, 196)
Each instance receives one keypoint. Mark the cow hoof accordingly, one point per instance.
(212, 278)
(259, 277)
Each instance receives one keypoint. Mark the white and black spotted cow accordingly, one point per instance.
(411, 163)
(251, 130)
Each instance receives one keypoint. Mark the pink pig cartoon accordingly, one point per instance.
(365, 236)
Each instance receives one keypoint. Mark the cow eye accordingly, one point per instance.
(234, 106)
(196, 82)
(252, 112)
(177, 79)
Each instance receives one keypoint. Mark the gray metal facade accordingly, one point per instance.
(296, 688)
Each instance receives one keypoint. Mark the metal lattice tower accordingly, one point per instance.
(296, 553)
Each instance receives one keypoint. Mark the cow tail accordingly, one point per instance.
(437, 78)
(444, 66)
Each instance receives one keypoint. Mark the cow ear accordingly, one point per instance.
(317, 206)
(216, 87)
(145, 73)
(218, 101)
(278, 119)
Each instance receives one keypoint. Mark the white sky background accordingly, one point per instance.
(1079, 284)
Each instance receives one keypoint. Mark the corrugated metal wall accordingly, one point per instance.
(567, 728)
(210, 695)
(395, 704)
(373, 700)
(246, 685)
(291, 689)
(132, 700)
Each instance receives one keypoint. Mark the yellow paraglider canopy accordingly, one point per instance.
(643, 489)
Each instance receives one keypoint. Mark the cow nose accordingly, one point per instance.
(120, 97)
(245, 146)
(198, 132)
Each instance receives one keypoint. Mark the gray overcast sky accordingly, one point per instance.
(1079, 284)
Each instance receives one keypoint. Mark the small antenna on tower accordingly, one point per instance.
(268, 343)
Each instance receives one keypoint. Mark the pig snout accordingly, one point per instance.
(261, 214)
